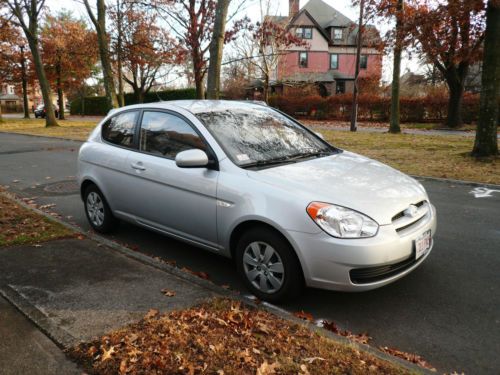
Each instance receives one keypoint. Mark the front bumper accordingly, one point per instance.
(327, 262)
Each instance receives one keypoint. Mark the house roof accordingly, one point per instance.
(325, 15)
(310, 77)
(9, 97)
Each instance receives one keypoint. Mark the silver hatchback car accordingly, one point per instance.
(248, 182)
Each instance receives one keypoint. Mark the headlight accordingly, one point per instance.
(341, 222)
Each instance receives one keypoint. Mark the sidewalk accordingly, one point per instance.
(77, 289)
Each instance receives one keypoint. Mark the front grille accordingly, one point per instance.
(403, 223)
(402, 213)
(374, 274)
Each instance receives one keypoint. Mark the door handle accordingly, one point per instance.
(138, 166)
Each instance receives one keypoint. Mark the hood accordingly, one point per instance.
(348, 180)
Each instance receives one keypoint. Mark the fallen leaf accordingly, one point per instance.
(168, 293)
(410, 357)
(151, 314)
(106, 354)
(267, 369)
(303, 315)
(312, 359)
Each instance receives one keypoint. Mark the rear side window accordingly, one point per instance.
(167, 135)
(120, 129)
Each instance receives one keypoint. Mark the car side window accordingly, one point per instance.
(120, 129)
(166, 135)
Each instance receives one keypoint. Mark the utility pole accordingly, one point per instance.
(354, 113)
(24, 83)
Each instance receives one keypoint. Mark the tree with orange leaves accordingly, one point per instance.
(145, 50)
(450, 35)
(69, 53)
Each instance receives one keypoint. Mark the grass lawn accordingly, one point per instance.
(77, 130)
(19, 225)
(422, 155)
(223, 337)
(418, 154)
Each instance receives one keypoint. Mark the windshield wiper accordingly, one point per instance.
(309, 154)
(261, 163)
(287, 159)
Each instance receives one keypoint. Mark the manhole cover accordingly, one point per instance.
(63, 187)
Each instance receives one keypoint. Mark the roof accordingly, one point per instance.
(195, 106)
(9, 97)
(325, 15)
(310, 77)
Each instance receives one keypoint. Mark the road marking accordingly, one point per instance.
(482, 192)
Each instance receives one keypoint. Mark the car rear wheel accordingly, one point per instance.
(268, 265)
(97, 210)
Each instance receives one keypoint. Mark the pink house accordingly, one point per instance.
(329, 59)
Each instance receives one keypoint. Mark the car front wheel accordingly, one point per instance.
(268, 265)
(97, 210)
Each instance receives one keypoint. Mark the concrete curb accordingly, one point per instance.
(64, 340)
(59, 336)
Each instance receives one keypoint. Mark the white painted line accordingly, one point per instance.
(482, 192)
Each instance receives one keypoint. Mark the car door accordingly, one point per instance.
(180, 201)
(111, 155)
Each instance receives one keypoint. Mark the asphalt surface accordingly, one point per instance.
(447, 311)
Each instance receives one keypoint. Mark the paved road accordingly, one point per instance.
(448, 310)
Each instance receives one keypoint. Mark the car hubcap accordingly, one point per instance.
(263, 267)
(95, 209)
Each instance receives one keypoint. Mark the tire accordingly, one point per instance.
(97, 210)
(277, 278)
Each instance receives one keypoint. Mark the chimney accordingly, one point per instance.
(293, 8)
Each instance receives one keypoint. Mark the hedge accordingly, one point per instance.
(98, 105)
(373, 108)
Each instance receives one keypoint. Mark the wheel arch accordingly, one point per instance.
(244, 226)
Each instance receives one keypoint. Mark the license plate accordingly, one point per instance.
(422, 244)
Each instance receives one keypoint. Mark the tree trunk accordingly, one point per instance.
(454, 118)
(24, 84)
(119, 46)
(198, 73)
(486, 143)
(139, 94)
(396, 72)
(103, 41)
(266, 88)
(60, 97)
(216, 48)
(50, 117)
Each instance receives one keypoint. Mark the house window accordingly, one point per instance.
(363, 62)
(337, 34)
(334, 61)
(340, 89)
(303, 59)
(303, 32)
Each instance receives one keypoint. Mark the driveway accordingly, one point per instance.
(448, 310)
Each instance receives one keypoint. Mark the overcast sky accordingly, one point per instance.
(252, 10)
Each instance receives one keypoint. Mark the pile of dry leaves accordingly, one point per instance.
(222, 337)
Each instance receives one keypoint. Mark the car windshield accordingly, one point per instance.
(262, 136)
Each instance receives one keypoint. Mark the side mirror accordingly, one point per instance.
(194, 158)
(319, 135)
